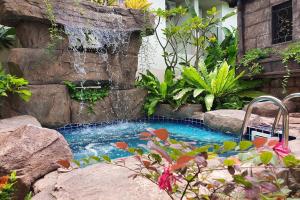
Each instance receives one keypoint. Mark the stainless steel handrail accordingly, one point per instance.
(281, 106)
(285, 100)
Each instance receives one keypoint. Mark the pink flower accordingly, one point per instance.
(166, 180)
(281, 150)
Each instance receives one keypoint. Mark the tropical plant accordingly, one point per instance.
(7, 37)
(87, 95)
(220, 83)
(12, 85)
(138, 4)
(227, 49)
(250, 61)
(158, 92)
(194, 33)
(184, 171)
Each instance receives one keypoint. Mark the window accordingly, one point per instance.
(282, 22)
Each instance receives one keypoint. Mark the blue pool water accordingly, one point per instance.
(98, 140)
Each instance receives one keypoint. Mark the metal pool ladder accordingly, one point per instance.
(285, 100)
(283, 111)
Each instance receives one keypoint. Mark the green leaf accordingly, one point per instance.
(169, 77)
(209, 100)
(77, 163)
(291, 161)
(244, 145)
(106, 158)
(229, 145)
(228, 162)
(197, 92)
(163, 89)
(266, 157)
(182, 93)
(96, 158)
(241, 180)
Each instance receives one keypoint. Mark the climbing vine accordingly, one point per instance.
(87, 95)
(291, 53)
(250, 60)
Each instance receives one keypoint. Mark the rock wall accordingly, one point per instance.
(99, 44)
(255, 30)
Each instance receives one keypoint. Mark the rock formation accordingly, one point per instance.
(98, 44)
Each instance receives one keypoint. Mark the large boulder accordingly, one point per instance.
(13, 123)
(186, 111)
(50, 104)
(227, 120)
(33, 152)
(99, 181)
(269, 109)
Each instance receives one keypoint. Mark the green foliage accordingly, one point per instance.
(105, 2)
(12, 85)
(218, 84)
(138, 4)
(194, 32)
(7, 37)
(250, 61)
(227, 50)
(55, 32)
(87, 95)
(160, 92)
(7, 186)
(291, 53)
(182, 170)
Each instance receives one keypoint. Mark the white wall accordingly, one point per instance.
(151, 53)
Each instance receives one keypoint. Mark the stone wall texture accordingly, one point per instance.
(98, 44)
(256, 32)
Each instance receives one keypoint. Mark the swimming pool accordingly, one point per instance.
(97, 140)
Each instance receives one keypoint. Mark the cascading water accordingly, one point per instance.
(106, 43)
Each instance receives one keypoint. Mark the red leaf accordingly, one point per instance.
(272, 143)
(184, 159)
(162, 134)
(260, 142)
(181, 162)
(121, 145)
(4, 180)
(146, 163)
(145, 134)
(64, 163)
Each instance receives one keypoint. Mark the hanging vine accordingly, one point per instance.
(55, 33)
(291, 53)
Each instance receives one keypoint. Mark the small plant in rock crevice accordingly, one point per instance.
(87, 95)
(105, 2)
(56, 34)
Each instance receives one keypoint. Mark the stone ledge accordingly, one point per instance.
(39, 67)
(83, 13)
